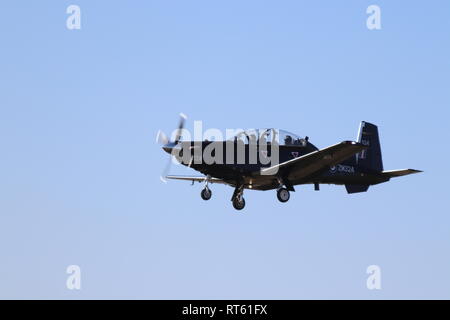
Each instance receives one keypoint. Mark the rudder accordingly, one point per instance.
(369, 158)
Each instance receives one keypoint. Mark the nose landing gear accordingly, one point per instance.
(239, 203)
(237, 198)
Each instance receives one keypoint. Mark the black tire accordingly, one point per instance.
(283, 195)
(206, 194)
(239, 204)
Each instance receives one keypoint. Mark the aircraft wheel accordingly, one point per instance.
(206, 194)
(283, 195)
(239, 203)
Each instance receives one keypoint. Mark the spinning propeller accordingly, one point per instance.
(168, 145)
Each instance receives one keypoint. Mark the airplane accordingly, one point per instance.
(355, 164)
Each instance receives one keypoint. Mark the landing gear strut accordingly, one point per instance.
(206, 192)
(283, 195)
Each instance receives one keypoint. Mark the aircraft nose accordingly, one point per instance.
(168, 147)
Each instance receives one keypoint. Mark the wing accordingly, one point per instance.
(399, 173)
(310, 163)
(196, 179)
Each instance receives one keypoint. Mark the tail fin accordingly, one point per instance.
(369, 158)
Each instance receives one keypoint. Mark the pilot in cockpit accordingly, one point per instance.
(301, 142)
(288, 140)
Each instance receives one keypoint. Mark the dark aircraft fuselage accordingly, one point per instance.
(248, 174)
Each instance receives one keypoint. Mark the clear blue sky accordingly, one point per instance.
(79, 175)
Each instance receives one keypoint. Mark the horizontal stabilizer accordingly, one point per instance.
(399, 173)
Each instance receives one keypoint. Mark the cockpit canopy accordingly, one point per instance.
(289, 139)
(270, 135)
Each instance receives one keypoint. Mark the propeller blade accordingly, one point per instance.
(183, 118)
(162, 138)
(166, 170)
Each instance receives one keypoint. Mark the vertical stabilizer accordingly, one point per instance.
(369, 158)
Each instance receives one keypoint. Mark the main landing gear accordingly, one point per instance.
(206, 193)
(238, 199)
(283, 195)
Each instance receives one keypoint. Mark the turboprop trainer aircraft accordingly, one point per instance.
(267, 159)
